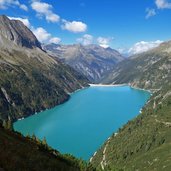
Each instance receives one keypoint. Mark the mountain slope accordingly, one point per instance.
(30, 79)
(20, 153)
(16, 31)
(92, 61)
(143, 143)
(145, 70)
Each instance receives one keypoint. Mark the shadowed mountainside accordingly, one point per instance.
(30, 79)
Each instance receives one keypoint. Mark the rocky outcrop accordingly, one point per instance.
(17, 32)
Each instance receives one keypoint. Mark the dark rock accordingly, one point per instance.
(16, 31)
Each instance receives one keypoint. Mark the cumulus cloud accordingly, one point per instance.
(85, 39)
(41, 34)
(45, 10)
(104, 42)
(23, 7)
(163, 4)
(150, 12)
(4, 4)
(44, 37)
(55, 40)
(74, 26)
(143, 46)
(25, 21)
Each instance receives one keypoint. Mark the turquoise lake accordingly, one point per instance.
(82, 124)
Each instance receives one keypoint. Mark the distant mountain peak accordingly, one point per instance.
(17, 32)
(92, 60)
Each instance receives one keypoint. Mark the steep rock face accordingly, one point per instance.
(143, 143)
(16, 31)
(30, 79)
(92, 60)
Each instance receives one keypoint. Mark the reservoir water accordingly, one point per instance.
(82, 124)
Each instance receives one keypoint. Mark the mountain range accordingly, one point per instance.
(93, 61)
(35, 78)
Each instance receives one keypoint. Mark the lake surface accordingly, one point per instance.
(82, 124)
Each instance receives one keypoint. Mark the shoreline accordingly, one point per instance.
(94, 85)
(141, 89)
(120, 85)
(78, 90)
(140, 111)
(107, 85)
(43, 110)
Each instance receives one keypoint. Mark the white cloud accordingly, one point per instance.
(4, 4)
(143, 46)
(85, 39)
(104, 42)
(41, 34)
(55, 40)
(150, 12)
(162, 4)
(24, 20)
(24, 7)
(122, 50)
(45, 9)
(74, 26)
(44, 37)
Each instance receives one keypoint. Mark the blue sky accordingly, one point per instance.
(121, 24)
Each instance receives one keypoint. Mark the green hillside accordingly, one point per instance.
(31, 84)
(19, 153)
(143, 143)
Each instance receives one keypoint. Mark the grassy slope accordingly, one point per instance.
(143, 143)
(144, 71)
(19, 153)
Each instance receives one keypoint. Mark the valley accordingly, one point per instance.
(92, 61)
(82, 124)
(87, 99)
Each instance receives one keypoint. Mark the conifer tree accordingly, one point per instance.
(44, 142)
(34, 137)
(4, 124)
(9, 125)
